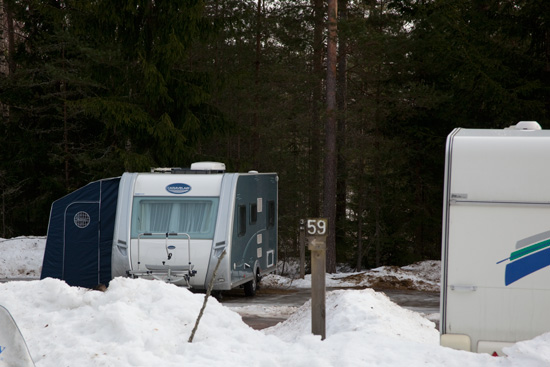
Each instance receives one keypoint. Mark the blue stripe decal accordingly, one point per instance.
(526, 265)
(503, 260)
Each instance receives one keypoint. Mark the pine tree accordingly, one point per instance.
(100, 88)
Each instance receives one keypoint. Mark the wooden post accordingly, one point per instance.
(318, 247)
(317, 244)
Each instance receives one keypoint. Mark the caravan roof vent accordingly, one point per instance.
(196, 169)
(527, 125)
(163, 169)
(208, 166)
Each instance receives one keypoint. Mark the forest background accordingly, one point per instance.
(91, 89)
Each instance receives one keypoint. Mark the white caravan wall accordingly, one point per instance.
(513, 167)
(154, 184)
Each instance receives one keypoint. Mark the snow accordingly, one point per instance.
(141, 323)
(21, 257)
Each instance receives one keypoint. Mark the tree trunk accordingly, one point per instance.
(4, 212)
(10, 40)
(316, 102)
(63, 89)
(256, 126)
(330, 174)
(378, 174)
(341, 181)
(359, 214)
(10, 37)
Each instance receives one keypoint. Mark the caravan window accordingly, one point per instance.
(194, 216)
(242, 220)
(270, 214)
(253, 213)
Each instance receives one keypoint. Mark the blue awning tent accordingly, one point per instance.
(80, 235)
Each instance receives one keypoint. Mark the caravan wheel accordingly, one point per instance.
(251, 287)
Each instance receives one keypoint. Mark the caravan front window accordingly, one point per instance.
(191, 215)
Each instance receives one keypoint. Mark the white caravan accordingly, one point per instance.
(495, 287)
(173, 225)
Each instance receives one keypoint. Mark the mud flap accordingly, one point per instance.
(13, 349)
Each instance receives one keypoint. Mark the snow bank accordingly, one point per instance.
(365, 311)
(133, 323)
(21, 257)
(141, 323)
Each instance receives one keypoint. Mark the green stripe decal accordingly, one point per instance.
(529, 249)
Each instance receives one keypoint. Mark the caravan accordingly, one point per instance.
(496, 238)
(170, 224)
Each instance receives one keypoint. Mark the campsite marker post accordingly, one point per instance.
(317, 230)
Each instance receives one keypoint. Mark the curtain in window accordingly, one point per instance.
(159, 215)
(192, 217)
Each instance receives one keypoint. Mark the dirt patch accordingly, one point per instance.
(25, 272)
(259, 323)
(266, 290)
(357, 278)
(391, 282)
(237, 293)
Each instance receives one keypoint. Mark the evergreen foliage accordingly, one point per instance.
(100, 87)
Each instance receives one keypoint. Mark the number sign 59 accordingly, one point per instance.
(317, 226)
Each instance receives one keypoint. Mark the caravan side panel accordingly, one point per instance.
(496, 238)
(254, 240)
(480, 302)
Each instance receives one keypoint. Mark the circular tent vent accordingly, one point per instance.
(82, 219)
